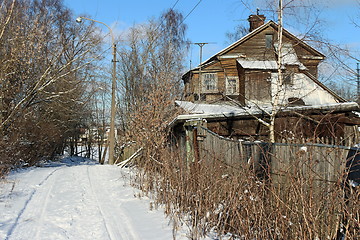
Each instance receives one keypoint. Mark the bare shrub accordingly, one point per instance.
(211, 195)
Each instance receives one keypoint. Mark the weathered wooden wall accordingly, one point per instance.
(334, 129)
(325, 163)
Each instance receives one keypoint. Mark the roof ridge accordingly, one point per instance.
(255, 31)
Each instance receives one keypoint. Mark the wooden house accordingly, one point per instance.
(247, 71)
(238, 85)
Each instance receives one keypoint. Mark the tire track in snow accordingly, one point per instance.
(43, 208)
(28, 201)
(116, 221)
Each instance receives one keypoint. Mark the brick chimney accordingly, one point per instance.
(256, 21)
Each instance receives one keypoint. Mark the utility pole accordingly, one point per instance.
(112, 138)
(200, 44)
(358, 82)
(113, 88)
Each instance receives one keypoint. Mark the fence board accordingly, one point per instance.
(326, 163)
(314, 168)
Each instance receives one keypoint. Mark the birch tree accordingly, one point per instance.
(277, 84)
(303, 16)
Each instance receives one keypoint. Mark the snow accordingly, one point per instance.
(303, 149)
(226, 109)
(253, 64)
(198, 108)
(289, 57)
(78, 199)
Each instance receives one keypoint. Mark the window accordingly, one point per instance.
(232, 84)
(269, 41)
(209, 82)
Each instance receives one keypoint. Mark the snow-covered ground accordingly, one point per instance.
(77, 199)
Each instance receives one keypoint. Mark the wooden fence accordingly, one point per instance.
(324, 162)
(309, 179)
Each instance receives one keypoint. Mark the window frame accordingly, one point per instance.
(230, 87)
(269, 39)
(209, 84)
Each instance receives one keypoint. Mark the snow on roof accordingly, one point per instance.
(196, 108)
(289, 57)
(249, 64)
(223, 111)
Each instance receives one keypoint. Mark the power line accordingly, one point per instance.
(172, 8)
(175, 4)
(358, 81)
(191, 11)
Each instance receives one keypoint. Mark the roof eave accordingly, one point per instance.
(326, 108)
(259, 29)
(244, 38)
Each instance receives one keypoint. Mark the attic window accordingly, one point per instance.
(269, 41)
(209, 82)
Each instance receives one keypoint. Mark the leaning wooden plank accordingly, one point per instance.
(136, 154)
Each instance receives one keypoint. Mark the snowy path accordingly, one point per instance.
(79, 200)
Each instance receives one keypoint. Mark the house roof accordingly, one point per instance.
(339, 98)
(287, 51)
(218, 112)
(249, 64)
(259, 29)
(200, 108)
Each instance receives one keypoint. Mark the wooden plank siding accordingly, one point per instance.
(327, 129)
(255, 48)
(252, 49)
(258, 86)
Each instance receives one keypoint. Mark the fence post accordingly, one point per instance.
(192, 147)
(190, 140)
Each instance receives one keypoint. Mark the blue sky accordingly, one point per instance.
(213, 18)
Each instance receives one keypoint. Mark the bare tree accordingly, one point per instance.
(151, 66)
(45, 59)
(152, 58)
(238, 32)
